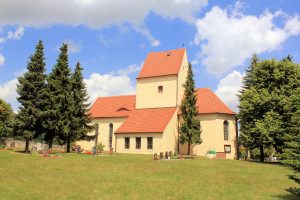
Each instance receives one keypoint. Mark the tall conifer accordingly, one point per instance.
(80, 119)
(59, 106)
(31, 90)
(190, 129)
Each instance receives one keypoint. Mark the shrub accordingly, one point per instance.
(101, 147)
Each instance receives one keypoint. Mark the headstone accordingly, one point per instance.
(161, 155)
(175, 153)
(111, 150)
(170, 153)
(33, 148)
(39, 146)
(166, 155)
(94, 151)
(12, 145)
(155, 156)
(46, 149)
(78, 149)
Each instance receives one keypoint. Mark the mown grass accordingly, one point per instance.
(138, 177)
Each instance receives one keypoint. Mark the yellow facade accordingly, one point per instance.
(212, 126)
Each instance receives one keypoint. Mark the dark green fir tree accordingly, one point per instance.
(190, 129)
(59, 108)
(31, 89)
(80, 118)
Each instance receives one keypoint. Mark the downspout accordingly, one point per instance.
(115, 143)
(237, 137)
(178, 134)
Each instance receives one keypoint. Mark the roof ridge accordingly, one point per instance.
(119, 96)
(167, 50)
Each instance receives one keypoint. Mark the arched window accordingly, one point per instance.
(226, 134)
(111, 128)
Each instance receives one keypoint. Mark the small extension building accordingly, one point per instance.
(148, 122)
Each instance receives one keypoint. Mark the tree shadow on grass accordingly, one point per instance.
(286, 197)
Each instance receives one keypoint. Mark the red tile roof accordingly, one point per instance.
(153, 120)
(162, 63)
(116, 106)
(208, 102)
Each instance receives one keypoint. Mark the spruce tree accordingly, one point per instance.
(190, 129)
(80, 119)
(31, 90)
(59, 113)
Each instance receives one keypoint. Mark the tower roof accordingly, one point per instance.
(162, 63)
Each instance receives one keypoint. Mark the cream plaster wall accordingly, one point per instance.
(213, 135)
(103, 131)
(147, 95)
(182, 78)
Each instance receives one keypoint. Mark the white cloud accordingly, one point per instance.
(72, 46)
(2, 59)
(155, 43)
(108, 85)
(95, 14)
(20, 72)
(130, 69)
(17, 34)
(228, 88)
(228, 37)
(2, 39)
(9, 94)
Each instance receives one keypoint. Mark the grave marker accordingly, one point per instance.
(78, 149)
(46, 149)
(94, 151)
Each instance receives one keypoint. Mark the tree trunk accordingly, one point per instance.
(189, 146)
(262, 155)
(50, 143)
(68, 146)
(27, 146)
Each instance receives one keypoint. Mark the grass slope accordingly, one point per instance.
(138, 177)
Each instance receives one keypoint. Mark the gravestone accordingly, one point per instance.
(170, 153)
(166, 155)
(78, 149)
(12, 144)
(33, 148)
(155, 156)
(161, 155)
(111, 150)
(94, 151)
(46, 149)
(39, 146)
(175, 153)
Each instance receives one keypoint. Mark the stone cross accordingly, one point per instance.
(46, 149)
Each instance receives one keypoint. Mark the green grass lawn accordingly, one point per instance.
(138, 177)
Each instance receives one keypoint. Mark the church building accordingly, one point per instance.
(148, 122)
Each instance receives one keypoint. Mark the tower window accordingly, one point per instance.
(160, 89)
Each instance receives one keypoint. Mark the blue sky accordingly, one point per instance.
(111, 39)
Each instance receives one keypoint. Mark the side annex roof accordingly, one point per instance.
(209, 102)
